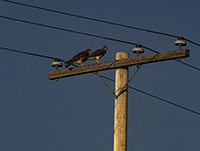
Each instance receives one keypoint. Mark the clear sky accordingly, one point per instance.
(77, 113)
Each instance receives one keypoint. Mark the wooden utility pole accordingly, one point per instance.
(120, 117)
(121, 65)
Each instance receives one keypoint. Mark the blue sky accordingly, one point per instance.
(77, 113)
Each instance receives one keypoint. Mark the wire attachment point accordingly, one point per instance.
(180, 42)
(138, 50)
(56, 64)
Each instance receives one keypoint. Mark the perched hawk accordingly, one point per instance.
(78, 58)
(97, 54)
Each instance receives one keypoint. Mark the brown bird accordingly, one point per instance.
(97, 54)
(78, 58)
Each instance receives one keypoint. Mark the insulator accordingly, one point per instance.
(56, 64)
(138, 50)
(180, 42)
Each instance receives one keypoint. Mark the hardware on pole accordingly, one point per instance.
(156, 57)
(138, 50)
(180, 42)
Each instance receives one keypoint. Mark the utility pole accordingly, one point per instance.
(120, 115)
(121, 65)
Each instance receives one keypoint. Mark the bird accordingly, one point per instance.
(78, 58)
(97, 54)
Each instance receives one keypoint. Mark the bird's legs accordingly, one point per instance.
(97, 59)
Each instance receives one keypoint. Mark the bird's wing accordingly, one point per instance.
(77, 57)
(98, 52)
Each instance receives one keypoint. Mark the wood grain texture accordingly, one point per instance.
(120, 116)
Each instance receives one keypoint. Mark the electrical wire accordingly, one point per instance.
(161, 99)
(99, 20)
(84, 17)
(191, 42)
(92, 35)
(191, 66)
(58, 28)
(156, 97)
(44, 56)
(38, 55)
(73, 31)
(33, 54)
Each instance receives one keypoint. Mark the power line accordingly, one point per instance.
(38, 55)
(58, 28)
(161, 99)
(28, 53)
(73, 31)
(191, 42)
(191, 66)
(156, 97)
(98, 20)
(88, 18)
(92, 35)
(44, 56)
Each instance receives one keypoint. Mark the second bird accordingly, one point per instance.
(97, 54)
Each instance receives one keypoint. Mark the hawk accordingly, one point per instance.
(97, 54)
(78, 58)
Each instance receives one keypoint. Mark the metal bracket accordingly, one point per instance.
(128, 81)
(116, 96)
(105, 83)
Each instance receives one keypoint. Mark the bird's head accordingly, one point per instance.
(105, 48)
(88, 50)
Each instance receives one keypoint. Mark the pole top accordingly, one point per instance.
(121, 55)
